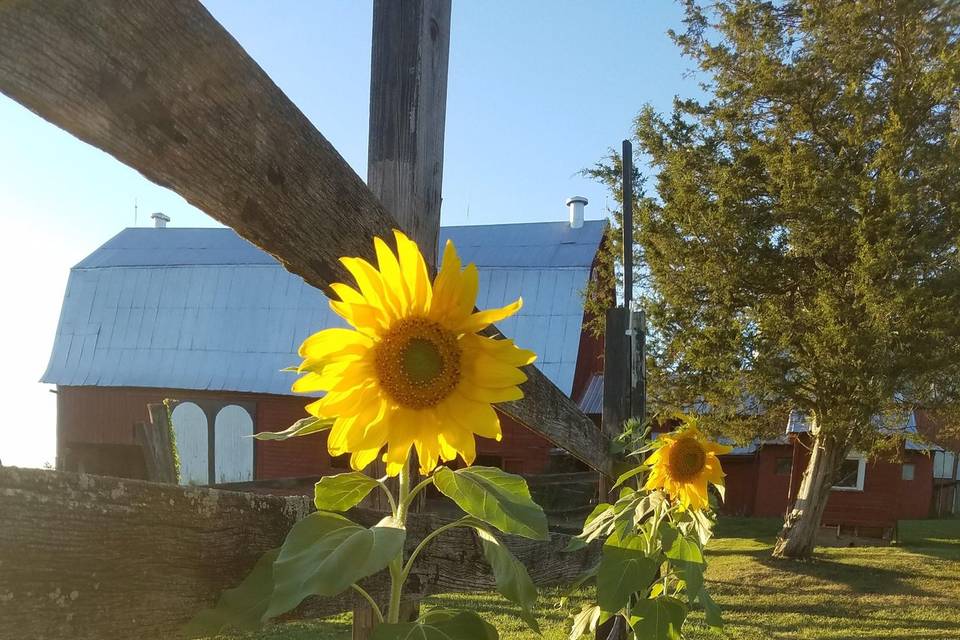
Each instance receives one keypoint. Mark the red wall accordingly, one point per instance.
(105, 415)
(754, 488)
(885, 498)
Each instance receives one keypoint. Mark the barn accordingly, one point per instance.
(763, 478)
(205, 318)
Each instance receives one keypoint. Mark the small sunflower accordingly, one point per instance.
(684, 464)
(413, 372)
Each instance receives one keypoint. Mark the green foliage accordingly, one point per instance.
(587, 621)
(325, 553)
(660, 617)
(168, 404)
(513, 581)
(496, 497)
(439, 625)
(651, 569)
(302, 427)
(343, 491)
(625, 568)
(800, 245)
(241, 607)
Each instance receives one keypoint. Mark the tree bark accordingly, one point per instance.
(798, 536)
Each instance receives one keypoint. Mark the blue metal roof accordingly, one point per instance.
(205, 309)
(798, 423)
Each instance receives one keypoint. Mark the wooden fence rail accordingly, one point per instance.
(86, 556)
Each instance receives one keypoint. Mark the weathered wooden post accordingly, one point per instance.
(624, 389)
(408, 104)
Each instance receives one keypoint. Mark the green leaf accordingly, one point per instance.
(721, 491)
(710, 609)
(240, 607)
(668, 535)
(495, 497)
(513, 581)
(658, 618)
(685, 550)
(687, 558)
(628, 475)
(703, 525)
(342, 491)
(325, 553)
(625, 569)
(302, 427)
(597, 524)
(586, 621)
(439, 625)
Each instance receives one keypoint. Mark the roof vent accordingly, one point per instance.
(160, 220)
(576, 204)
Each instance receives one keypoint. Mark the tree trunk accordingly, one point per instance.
(799, 533)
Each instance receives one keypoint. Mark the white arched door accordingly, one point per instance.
(233, 446)
(190, 430)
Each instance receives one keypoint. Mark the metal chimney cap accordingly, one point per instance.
(160, 220)
(573, 199)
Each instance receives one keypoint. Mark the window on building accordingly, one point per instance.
(908, 470)
(783, 466)
(943, 464)
(851, 474)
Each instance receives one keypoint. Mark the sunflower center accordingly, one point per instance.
(417, 363)
(687, 459)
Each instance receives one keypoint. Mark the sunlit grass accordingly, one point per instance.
(907, 591)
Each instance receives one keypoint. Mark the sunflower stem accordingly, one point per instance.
(426, 482)
(397, 576)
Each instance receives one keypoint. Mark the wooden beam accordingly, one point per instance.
(154, 439)
(165, 89)
(92, 557)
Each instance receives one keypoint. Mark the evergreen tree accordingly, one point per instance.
(801, 249)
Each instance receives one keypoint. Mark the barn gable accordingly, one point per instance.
(203, 309)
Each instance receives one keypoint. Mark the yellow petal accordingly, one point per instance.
(478, 417)
(372, 286)
(324, 343)
(501, 349)
(415, 274)
(481, 370)
(368, 319)
(392, 276)
(346, 293)
(460, 441)
(446, 286)
(482, 319)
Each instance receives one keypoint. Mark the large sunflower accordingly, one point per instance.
(413, 371)
(684, 464)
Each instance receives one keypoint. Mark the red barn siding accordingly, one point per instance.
(105, 416)
(771, 489)
(885, 498)
(740, 482)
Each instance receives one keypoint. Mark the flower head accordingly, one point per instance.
(413, 371)
(684, 464)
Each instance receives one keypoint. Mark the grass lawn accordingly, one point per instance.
(907, 591)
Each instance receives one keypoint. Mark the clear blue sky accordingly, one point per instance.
(537, 91)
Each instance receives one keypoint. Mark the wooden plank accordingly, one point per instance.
(154, 439)
(93, 557)
(164, 88)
